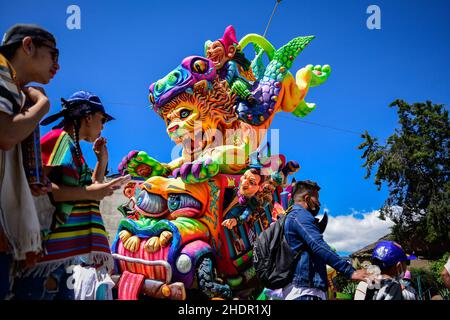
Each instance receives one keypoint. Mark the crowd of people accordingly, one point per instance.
(41, 242)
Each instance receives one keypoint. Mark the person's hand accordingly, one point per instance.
(31, 258)
(98, 191)
(41, 189)
(37, 94)
(51, 284)
(230, 223)
(4, 244)
(360, 275)
(100, 149)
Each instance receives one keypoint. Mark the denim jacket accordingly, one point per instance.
(302, 233)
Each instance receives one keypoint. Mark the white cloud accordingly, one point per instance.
(347, 233)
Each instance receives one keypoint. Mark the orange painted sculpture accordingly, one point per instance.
(189, 226)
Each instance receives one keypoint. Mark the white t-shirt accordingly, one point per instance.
(90, 283)
(447, 265)
(291, 292)
(18, 216)
(390, 289)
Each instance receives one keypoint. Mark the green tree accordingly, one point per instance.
(428, 284)
(414, 164)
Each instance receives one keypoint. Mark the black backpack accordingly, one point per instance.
(273, 259)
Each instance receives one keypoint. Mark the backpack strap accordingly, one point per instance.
(370, 293)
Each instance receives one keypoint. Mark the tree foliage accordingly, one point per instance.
(414, 164)
(428, 284)
(437, 267)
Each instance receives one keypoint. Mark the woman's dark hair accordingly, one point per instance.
(76, 134)
(306, 186)
(76, 122)
(10, 50)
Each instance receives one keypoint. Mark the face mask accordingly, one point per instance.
(313, 208)
(404, 282)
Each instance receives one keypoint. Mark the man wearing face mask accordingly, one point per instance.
(303, 233)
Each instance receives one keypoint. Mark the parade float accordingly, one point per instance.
(189, 225)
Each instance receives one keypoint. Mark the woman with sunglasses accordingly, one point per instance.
(76, 235)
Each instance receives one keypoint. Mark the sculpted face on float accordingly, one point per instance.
(217, 54)
(249, 185)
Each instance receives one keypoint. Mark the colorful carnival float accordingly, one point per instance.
(189, 225)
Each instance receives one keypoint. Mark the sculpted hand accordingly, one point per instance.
(230, 223)
(319, 74)
(140, 164)
(197, 171)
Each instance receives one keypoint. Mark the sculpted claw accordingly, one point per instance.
(165, 238)
(152, 245)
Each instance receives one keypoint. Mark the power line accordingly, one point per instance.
(281, 114)
(137, 104)
(321, 125)
(270, 20)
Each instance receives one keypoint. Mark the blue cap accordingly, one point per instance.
(79, 104)
(388, 253)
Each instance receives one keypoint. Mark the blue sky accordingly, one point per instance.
(123, 47)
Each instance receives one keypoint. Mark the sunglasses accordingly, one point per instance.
(54, 52)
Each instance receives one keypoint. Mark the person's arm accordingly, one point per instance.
(63, 193)
(314, 240)
(98, 176)
(15, 128)
(101, 152)
(445, 275)
(234, 215)
(96, 191)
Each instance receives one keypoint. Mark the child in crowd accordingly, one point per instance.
(76, 235)
(391, 260)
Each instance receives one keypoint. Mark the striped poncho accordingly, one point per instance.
(77, 233)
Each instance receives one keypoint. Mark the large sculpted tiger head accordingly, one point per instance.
(194, 104)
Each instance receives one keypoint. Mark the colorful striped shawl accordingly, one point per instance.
(77, 229)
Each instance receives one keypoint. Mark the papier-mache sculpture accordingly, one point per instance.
(171, 241)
